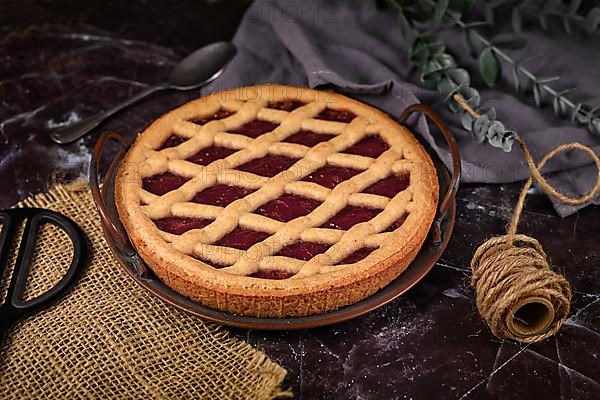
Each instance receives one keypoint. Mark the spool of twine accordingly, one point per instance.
(518, 294)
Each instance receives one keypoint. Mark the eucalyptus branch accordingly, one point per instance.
(579, 113)
(439, 71)
(543, 10)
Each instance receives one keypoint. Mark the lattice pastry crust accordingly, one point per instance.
(276, 200)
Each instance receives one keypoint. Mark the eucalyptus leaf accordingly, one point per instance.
(517, 20)
(573, 7)
(427, 6)
(567, 25)
(529, 59)
(472, 96)
(447, 88)
(476, 24)
(472, 43)
(459, 76)
(569, 90)
(430, 81)
(431, 66)
(551, 5)
(594, 126)
(454, 106)
(421, 53)
(404, 25)
(592, 20)
(466, 121)
(450, 18)
(495, 132)
(508, 138)
(480, 127)
(435, 46)
(498, 3)
(560, 108)
(438, 12)
(547, 80)
(543, 22)
(417, 14)
(489, 66)
(423, 47)
(583, 116)
(491, 113)
(417, 51)
(445, 60)
(575, 111)
(537, 94)
(508, 41)
(516, 78)
(489, 14)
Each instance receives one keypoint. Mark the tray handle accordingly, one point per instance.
(437, 236)
(98, 189)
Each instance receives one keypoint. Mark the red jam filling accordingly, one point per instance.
(330, 114)
(308, 138)
(287, 207)
(163, 183)
(272, 274)
(397, 224)
(330, 176)
(255, 128)
(286, 105)
(178, 226)
(218, 115)
(269, 165)
(358, 255)
(172, 141)
(209, 154)
(390, 186)
(221, 195)
(242, 238)
(370, 146)
(303, 250)
(349, 216)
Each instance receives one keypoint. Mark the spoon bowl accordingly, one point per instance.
(202, 66)
(196, 70)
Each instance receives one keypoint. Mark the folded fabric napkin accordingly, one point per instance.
(356, 48)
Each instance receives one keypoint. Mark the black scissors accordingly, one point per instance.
(14, 306)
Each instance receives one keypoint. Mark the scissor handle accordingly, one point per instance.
(14, 305)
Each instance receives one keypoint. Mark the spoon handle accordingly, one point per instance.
(68, 134)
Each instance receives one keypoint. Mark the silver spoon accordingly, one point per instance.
(198, 69)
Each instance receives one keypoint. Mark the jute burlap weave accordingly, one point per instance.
(108, 338)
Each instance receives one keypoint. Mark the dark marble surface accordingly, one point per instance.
(63, 60)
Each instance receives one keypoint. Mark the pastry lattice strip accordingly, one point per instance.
(239, 212)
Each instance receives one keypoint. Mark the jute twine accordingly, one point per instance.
(110, 339)
(517, 293)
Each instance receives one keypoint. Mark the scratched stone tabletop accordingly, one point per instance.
(63, 60)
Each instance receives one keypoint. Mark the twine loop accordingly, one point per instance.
(518, 294)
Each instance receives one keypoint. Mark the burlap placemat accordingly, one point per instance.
(109, 338)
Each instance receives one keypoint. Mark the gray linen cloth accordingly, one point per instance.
(356, 48)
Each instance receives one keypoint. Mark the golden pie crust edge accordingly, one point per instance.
(243, 295)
